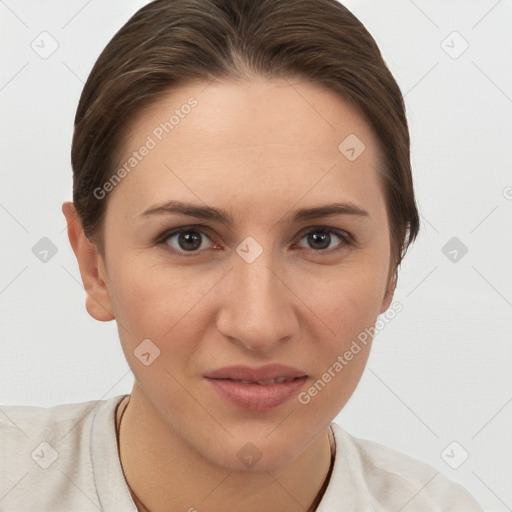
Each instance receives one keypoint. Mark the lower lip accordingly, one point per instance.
(257, 397)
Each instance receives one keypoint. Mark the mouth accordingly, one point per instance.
(268, 374)
(268, 382)
(256, 389)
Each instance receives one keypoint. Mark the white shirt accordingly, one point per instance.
(65, 459)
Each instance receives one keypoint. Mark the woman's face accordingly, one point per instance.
(250, 280)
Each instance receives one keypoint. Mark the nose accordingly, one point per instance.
(259, 308)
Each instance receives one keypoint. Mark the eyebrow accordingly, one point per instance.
(222, 216)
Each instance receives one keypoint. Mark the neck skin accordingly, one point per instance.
(147, 445)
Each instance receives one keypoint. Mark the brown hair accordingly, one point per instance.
(172, 42)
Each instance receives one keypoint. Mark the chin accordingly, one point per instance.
(259, 453)
(250, 458)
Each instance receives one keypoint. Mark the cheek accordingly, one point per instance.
(347, 299)
(160, 301)
(346, 307)
(349, 316)
(175, 304)
(153, 300)
(154, 303)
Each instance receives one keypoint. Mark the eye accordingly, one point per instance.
(320, 239)
(187, 241)
(191, 240)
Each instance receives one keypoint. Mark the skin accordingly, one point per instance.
(259, 149)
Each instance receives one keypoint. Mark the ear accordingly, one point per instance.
(390, 291)
(92, 267)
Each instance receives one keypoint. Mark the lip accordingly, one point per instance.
(267, 372)
(254, 396)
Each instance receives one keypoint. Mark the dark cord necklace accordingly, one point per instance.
(318, 498)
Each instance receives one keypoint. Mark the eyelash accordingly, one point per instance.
(345, 238)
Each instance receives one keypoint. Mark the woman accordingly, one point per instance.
(242, 201)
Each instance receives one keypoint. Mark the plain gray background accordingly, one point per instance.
(438, 382)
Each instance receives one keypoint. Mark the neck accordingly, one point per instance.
(166, 474)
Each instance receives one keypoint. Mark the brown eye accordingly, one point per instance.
(185, 241)
(321, 239)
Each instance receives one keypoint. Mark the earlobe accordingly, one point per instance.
(92, 268)
(388, 296)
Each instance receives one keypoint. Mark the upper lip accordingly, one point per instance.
(267, 372)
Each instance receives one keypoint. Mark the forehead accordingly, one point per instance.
(257, 141)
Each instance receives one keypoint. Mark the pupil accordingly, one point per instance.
(189, 240)
(322, 237)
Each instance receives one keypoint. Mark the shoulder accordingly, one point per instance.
(58, 428)
(391, 480)
(45, 455)
(13, 417)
